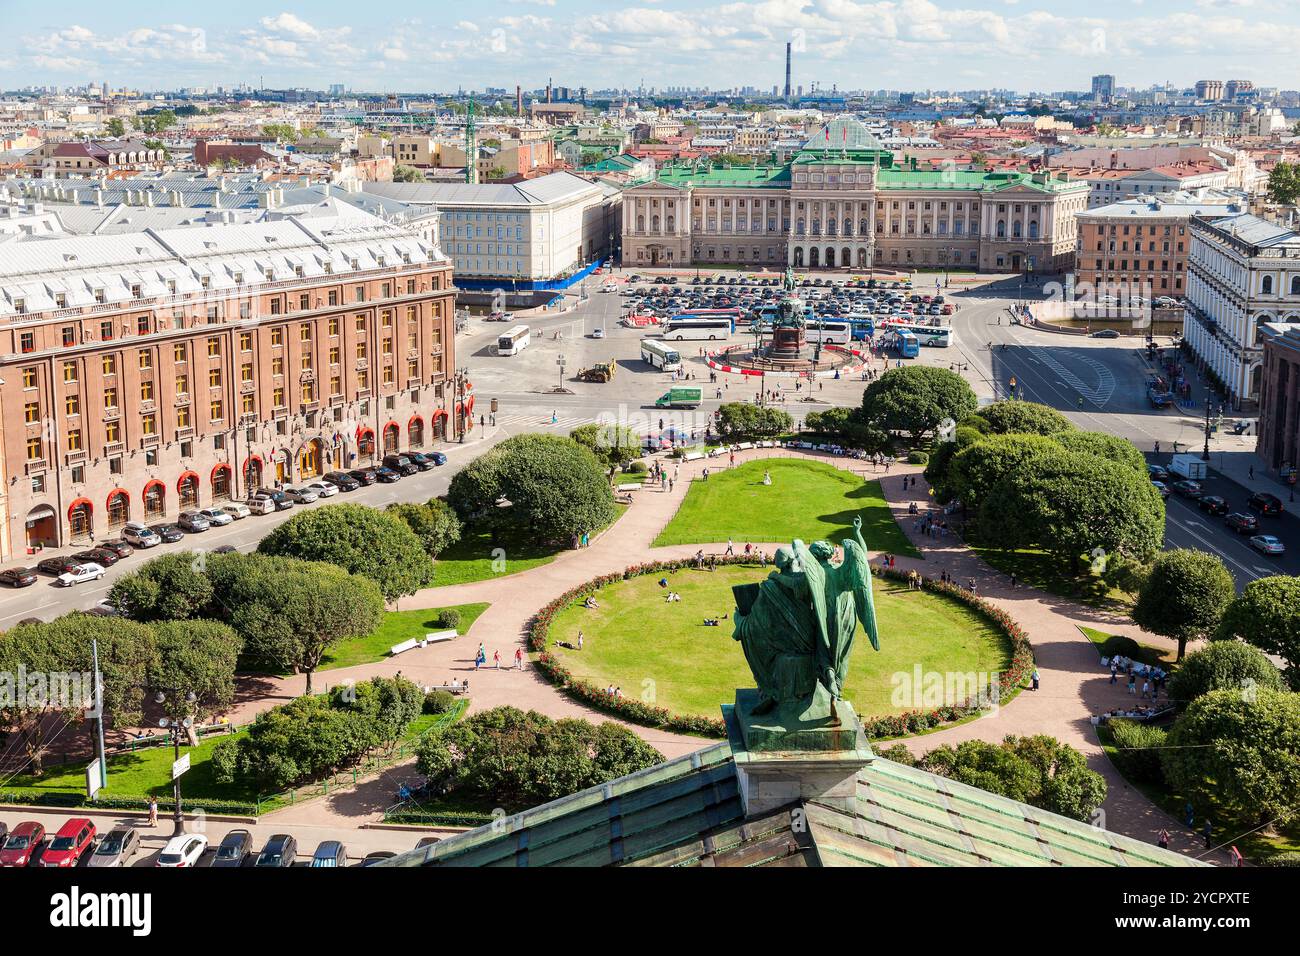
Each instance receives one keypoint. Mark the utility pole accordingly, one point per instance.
(1205, 454)
(99, 715)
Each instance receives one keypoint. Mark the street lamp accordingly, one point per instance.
(177, 727)
(1205, 454)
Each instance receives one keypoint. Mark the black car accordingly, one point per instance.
(386, 475)
(1265, 503)
(282, 501)
(373, 858)
(364, 476)
(118, 547)
(234, 849)
(100, 556)
(400, 464)
(1242, 523)
(342, 481)
(1213, 504)
(1105, 334)
(1188, 489)
(57, 566)
(280, 851)
(1157, 473)
(421, 461)
(18, 577)
(170, 533)
(224, 549)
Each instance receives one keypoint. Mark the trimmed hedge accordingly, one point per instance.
(891, 725)
(1137, 750)
(437, 818)
(104, 802)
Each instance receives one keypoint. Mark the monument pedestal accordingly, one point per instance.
(781, 757)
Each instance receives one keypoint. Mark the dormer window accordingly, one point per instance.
(20, 306)
(136, 291)
(99, 296)
(239, 278)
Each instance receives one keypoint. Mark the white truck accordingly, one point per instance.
(1189, 467)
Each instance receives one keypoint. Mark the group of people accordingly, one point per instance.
(1152, 676)
(480, 658)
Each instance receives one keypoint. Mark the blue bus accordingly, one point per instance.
(908, 345)
(863, 327)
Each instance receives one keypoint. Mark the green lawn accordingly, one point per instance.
(636, 641)
(394, 628)
(477, 556)
(807, 499)
(1145, 653)
(1043, 571)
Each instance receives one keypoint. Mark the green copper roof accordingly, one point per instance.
(687, 812)
(899, 177)
(706, 175)
(833, 153)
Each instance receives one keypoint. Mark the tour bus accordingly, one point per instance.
(513, 341)
(829, 331)
(660, 356)
(907, 344)
(939, 336)
(736, 314)
(769, 312)
(863, 326)
(679, 328)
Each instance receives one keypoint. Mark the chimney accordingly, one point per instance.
(174, 198)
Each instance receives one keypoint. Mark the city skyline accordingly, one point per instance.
(910, 45)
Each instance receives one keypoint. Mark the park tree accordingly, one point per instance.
(741, 420)
(1234, 755)
(359, 539)
(1223, 665)
(847, 427)
(1267, 615)
(916, 399)
(1012, 416)
(554, 487)
(170, 587)
(198, 658)
(407, 174)
(1111, 447)
(435, 523)
(1284, 183)
(976, 469)
(1071, 504)
(1184, 597)
(613, 445)
(115, 127)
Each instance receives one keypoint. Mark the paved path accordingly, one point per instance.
(1073, 685)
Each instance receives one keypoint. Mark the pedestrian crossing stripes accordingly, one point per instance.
(562, 423)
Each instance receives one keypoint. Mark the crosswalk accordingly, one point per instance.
(563, 423)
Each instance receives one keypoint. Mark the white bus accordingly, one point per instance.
(935, 336)
(829, 331)
(678, 329)
(660, 356)
(513, 341)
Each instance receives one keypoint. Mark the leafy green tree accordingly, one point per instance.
(741, 420)
(115, 127)
(1137, 750)
(916, 399)
(1223, 665)
(171, 587)
(1184, 597)
(847, 427)
(407, 174)
(194, 657)
(554, 487)
(1267, 614)
(613, 445)
(1070, 504)
(1234, 755)
(359, 539)
(434, 523)
(1014, 416)
(978, 468)
(1111, 447)
(1284, 182)
(281, 132)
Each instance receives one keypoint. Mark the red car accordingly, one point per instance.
(74, 839)
(23, 841)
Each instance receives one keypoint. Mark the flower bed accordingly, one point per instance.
(877, 728)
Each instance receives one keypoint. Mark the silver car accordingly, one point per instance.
(118, 848)
(301, 496)
(216, 516)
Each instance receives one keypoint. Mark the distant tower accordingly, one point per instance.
(471, 147)
(787, 71)
(519, 101)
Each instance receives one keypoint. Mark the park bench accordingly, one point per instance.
(435, 637)
(631, 486)
(455, 687)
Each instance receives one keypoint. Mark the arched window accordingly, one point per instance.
(391, 434)
(221, 483)
(155, 499)
(80, 517)
(1033, 229)
(415, 432)
(1266, 285)
(654, 223)
(188, 489)
(119, 509)
(799, 228)
(1002, 229)
(252, 474)
(640, 223)
(863, 227)
(1295, 285)
(1015, 229)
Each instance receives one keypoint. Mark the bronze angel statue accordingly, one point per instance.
(797, 626)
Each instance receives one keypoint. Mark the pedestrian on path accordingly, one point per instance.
(1114, 672)
(1132, 683)
(496, 659)
(519, 658)
(731, 548)
(1164, 839)
(1251, 472)
(1208, 832)
(153, 811)
(1034, 678)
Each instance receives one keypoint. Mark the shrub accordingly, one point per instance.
(449, 618)
(1290, 858)
(1137, 750)
(439, 702)
(1223, 665)
(224, 761)
(917, 457)
(1123, 646)
(898, 753)
(637, 467)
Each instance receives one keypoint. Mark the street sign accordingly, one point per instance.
(180, 766)
(92, 778)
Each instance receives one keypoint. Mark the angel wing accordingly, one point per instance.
(815, 576)
(857, 564)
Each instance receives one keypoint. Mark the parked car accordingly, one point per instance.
(118, 848)
(260, 506)
(1267, 544)
(282, 501)
(342, 481)
(1188, 489)
(1106, 334)
(438, 457)
(193, 522)
(224, 549)
(363, 476)
(1212, 504)
(70, 844)
(427, 841)
(237, 510)
(1161, 487)
(373, 858)
(140, 536)
(57, 566)
(105, 608)
(167, 532)
(301, 496)
(234, 849)
(101, 556)
(323, 489)
(1242, 523)
(386, 475)
(23, 843)
(1265, 503)
(400, 464)
(18, 577)
(217, 517)
(421, 460)
(1157, 473)
(80, 574)
(182, 851)
(118, 547)
(280, 851)
(331, 853)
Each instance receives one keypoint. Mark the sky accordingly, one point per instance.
(441, 46)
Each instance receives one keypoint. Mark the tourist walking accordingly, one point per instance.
(496, 659)
(519, 658)
(1034, 678)
(153, 811)
(1163, 840)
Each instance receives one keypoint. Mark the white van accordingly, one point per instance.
(259, 505)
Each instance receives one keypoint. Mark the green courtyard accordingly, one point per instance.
(663, 652)
(807, 499)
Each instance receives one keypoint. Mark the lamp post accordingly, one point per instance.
(1205, 454)
(462, 377)
(177, 727)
